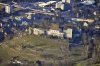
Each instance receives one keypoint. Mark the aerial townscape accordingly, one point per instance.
(49, 32)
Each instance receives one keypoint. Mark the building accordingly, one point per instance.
(83, 20)
(54, 31)
(66, 1)
(68, 33)
(43, 4)
(63, 6)
(37, 31)
(88, 2)
(85, 24)
(60, 5)
(8, 9)
(67, 29)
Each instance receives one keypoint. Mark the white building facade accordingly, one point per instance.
(56, 33)
(60, 5)
(66, 1)
(68, 33)
(37, 31)
(8, 9)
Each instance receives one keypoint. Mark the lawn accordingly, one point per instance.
(32, 48)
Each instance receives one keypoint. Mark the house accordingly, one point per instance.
(60, 5)
(38, 31)
(83, 20)
(43, 4)
(63, 6)
(67, 30)
(8, 9)
(54, 31)
(66, 1)
(85, 24)
(68, 33)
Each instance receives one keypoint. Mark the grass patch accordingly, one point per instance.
(14, 47)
